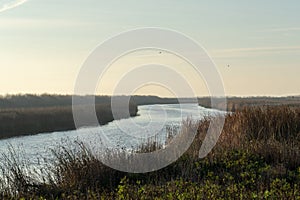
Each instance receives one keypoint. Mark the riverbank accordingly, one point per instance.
(29, 114)
(238, 103)
(257, 157)
(30, 121)
(32, 114)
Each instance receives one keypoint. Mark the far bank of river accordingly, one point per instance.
(30, 121)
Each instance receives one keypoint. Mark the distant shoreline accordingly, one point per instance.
(236, 103)
(22, 115)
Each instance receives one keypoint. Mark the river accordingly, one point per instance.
(152, 121)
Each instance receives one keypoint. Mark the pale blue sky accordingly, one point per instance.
(43, 43)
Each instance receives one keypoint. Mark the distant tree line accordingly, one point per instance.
(47, 100)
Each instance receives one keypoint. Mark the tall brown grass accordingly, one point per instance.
(257, 146)
(270, 131)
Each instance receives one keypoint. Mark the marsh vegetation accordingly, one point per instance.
(32, 114)
(256, 157)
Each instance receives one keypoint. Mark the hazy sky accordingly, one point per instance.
(43, 43)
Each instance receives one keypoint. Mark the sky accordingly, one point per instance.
(44, 43)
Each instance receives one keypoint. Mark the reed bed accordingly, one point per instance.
(257, 157)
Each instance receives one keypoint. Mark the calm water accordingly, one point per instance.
(153, 120)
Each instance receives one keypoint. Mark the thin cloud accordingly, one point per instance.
(242, 52)
(285, 29)
(283, 48)
(11, 4)
(32, 23)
